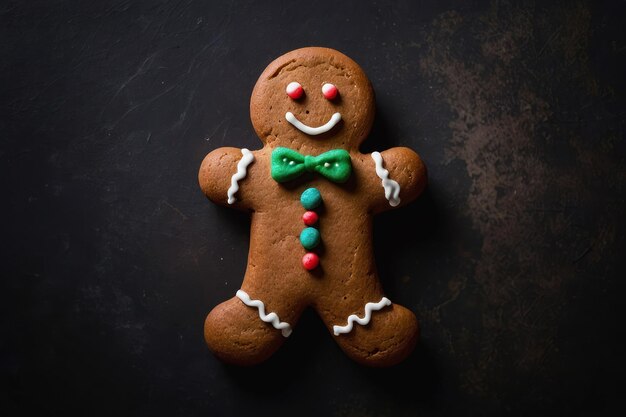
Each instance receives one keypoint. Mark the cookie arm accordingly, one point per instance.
(222, 175)
(402, 177)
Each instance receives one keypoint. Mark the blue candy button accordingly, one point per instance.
(311, 198)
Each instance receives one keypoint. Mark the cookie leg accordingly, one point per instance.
(377, 334)
(241, 332)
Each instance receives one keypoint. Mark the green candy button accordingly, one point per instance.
(310, 237)
(311, 198)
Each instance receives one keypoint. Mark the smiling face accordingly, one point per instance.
(313, 98)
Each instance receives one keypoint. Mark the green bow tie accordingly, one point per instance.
(288, 164)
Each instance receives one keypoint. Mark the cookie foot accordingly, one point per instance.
(235, 334)
(385, 341)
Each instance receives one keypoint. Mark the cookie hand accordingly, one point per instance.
(221, 174)
(402, 176)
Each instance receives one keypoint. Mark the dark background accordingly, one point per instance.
(111, 256)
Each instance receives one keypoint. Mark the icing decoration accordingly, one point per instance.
(310, 237)
(287, 164)
(294, 90)
(310, 261)
(310, 218)
(329, 91)
(311, 198)
(334, 119)
(271, 318)
(242, 171)
(369, 307)
(392, 188)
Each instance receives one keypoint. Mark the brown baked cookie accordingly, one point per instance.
(311, 195)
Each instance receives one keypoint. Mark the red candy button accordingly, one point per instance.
(294, 90)
(310, 261)
(309, 218)
(329, 91)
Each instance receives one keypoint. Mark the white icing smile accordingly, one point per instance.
(334, 119)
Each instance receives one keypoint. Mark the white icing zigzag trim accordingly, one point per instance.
(242, 171)
(272, 318)
(369, 307)
(392, 188)
(334, 119)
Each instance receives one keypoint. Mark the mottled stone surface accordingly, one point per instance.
(513, 259)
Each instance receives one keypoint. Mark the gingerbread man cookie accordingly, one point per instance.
(311, 196)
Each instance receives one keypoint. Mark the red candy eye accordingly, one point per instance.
(294, 90)
(329, 91)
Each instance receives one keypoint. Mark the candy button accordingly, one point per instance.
(309, 218)
(294, 90)
(311, 198)
(329, 91)
(310, 237)
(310, 261)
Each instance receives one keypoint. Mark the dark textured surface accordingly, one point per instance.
(111, 256)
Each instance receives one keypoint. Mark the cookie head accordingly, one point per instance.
(314, 98)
